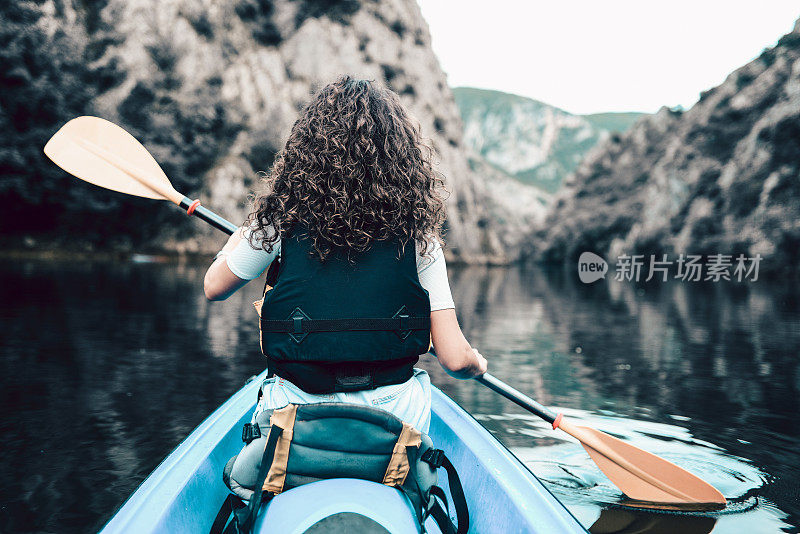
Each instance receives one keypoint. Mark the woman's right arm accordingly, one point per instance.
(453, 351)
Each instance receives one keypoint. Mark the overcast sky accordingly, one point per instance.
(602, 55)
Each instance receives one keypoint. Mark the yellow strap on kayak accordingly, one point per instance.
(398, 467)
(283, 418)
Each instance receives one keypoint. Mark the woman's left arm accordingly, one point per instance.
(220, 282)
(241, 259)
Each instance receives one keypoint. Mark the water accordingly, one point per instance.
(104, 368)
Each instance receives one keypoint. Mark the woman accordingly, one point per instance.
(353, 209)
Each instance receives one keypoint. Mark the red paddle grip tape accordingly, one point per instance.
(557, 421)
(192, 207)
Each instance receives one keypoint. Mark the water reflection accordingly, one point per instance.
(703, 375)
(627, 521)
(104, 368)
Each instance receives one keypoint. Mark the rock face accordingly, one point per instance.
(213, 88)
(720, 178)
(536, 143)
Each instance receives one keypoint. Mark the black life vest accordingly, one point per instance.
(345, 324)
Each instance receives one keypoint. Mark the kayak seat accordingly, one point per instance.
(302, 444)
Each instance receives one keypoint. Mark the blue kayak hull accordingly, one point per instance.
(186, 490)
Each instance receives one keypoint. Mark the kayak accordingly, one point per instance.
(186, 490)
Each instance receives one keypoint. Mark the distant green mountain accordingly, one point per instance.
(537, 143)
(613, 122)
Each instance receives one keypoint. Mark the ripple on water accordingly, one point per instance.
(562, 464)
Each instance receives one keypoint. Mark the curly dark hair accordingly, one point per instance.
(354, 170)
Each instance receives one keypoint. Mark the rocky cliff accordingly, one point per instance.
(537, 143)
(212, 89)
(721, 177)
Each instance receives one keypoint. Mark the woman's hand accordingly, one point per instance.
(472, 369)
(481, 365)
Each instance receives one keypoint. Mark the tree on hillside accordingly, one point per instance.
(43, 83)
(50, 72)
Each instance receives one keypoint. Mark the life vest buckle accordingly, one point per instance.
(403, 330)
(434, 457)
(297, 316)
(250, 432)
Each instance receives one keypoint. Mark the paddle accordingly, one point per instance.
(102, 153)
(639, 474)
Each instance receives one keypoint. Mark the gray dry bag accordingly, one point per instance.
(299, 444)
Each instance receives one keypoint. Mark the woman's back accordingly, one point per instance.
(356, 321)
(356, 181)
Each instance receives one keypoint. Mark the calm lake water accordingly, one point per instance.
(105, 368)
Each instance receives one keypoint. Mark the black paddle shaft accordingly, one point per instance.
(517, 397)
(209, 216)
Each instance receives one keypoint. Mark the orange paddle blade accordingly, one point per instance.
(104, 154)
(642, 475)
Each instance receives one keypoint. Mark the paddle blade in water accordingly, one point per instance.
(102, 153)
(641, 475)
(624, 521)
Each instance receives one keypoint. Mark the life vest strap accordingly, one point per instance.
(301, 325)
(332, 377)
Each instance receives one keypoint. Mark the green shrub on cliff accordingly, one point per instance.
(43, 83)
